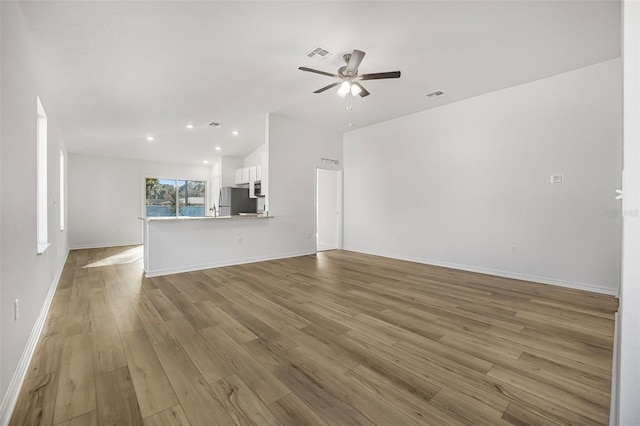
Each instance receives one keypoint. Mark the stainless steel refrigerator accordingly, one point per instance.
(236, 200)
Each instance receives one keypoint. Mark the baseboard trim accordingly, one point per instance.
(103, 245)
(13, 391)
(199, 267)
(496, 272)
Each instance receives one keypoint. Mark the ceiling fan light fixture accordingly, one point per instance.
(345, 87)
(347, 76)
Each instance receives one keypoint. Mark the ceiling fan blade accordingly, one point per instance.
(380, 75)
(317, 71)
(328, 87)
(363, 92)
(354, 61)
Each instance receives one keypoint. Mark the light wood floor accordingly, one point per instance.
(334, 339)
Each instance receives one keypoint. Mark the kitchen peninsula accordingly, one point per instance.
(181, 244)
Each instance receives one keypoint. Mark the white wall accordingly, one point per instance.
(295, 150)
(257, 158)
(2, 392)
(106, 197)
(229, 166)
(26, 276)
(627, 408)
(215, 185)
(462, 184)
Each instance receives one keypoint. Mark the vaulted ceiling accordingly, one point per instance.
(116, 72)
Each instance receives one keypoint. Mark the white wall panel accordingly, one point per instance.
(463, 184)
(25, 275)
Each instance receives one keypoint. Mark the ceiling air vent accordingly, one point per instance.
(435, 95)
(319, 53)
(214, 124)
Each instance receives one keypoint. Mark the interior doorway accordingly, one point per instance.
(328, 209)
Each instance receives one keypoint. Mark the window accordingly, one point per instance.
(174, 197)
(191, 197)
(61, 191)
(41, 183)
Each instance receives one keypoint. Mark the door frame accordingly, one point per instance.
(625, 370)
(340, 206)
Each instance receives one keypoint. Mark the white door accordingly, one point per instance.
(327, 210)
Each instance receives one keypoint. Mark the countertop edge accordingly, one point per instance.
(191, 218)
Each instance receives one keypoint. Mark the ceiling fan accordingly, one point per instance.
(349, 78)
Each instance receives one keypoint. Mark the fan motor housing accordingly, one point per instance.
(342, 73)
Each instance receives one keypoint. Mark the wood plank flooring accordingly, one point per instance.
(335, 339)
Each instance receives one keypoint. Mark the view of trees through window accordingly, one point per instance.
(175, 197)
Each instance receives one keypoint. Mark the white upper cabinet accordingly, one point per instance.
(242, 176)
(248, 175)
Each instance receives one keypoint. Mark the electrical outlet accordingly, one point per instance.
(239, 240)
(16, 309)
(118, 229)
(514, 249)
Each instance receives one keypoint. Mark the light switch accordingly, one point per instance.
(557, 179)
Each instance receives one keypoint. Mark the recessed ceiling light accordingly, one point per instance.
(351, 124)
(189, 126)
(205, 162)
(150, 138)
(218, 148)
(234, 133)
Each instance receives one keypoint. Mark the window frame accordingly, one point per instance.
(62, 193)
(176, 180)
(42, 179)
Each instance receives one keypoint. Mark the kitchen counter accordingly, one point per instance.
(181, 244)
(183, 218)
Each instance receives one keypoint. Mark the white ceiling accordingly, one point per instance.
(118, 71)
